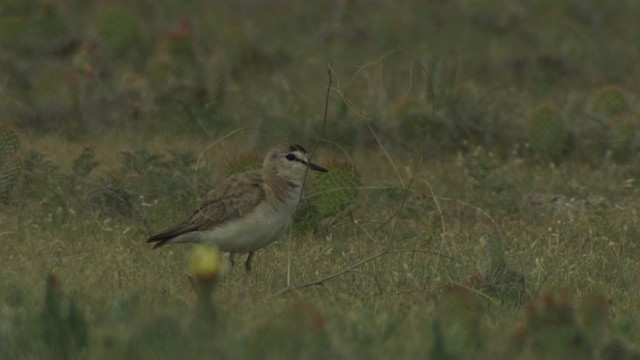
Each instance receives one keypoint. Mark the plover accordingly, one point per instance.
(250, 210)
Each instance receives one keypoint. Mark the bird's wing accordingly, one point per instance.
(235, 197)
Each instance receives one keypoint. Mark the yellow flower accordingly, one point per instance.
(205, 263)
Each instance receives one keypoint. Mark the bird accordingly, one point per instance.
(249, 210)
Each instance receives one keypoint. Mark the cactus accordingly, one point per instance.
(610, 100)
(180, 47)
(13, 32)
(50, 30)
(10, 163)
(554, 328)
(118, 32)
(336, 189)
(63, 332)
(621, 133)
(217, 85)
(547, 133)
(85, 162)
(459, 317)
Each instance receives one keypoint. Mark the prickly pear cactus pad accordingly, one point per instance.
(336, 189)
(609, 101)
(547, 132)
(621, 133)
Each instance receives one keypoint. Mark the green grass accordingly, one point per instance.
(117, 138)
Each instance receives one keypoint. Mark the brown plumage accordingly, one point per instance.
(234, 198)
(250, 210)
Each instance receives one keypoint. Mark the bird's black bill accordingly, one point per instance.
(315, 167)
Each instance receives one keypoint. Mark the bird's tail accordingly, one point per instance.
(173, 236)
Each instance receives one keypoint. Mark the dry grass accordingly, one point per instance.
(457, 204)
(383, 307)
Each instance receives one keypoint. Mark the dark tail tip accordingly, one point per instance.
(157, 241)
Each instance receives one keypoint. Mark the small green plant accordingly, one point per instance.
(337, 189)
(63, 332)
(548, 135)
(217, 83)
(612, 106)
(554, 329)
(49, 30)
(481, 166)
(500, 280)
(119, 33)
(13, 32)
(332, 193)
(458, 324)
(143, 176)
(85, 162)
(610, 100)
(10, 163)
(497, 280)
(621, 133)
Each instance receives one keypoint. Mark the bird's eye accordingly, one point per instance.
(291, 157)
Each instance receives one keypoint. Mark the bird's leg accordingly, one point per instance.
(231, 258)
(247, 264)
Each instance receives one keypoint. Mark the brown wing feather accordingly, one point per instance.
(233, 198)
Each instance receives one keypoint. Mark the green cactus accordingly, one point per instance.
(459, 315)
(49, 28)
(13, 32)
(181, 48)
(63, 332)
(547, 133)
(610, 100)
(621, 133)
(217, 84)
(19, 7)
(336, 189)
(10, 163)
(85, 162)
(554, 329)
(118, 32)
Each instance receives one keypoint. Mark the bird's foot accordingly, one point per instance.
(247, 264)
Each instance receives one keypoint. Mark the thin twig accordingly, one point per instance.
(326, 111)
(386, 154)
(350, 268)
(313, 151)
(215, 143)
(430, 85)
(376, 62)
(367, 119)
(405, 187)
(404, 199)
(345, 153)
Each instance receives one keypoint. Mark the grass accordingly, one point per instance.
(475, 234)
